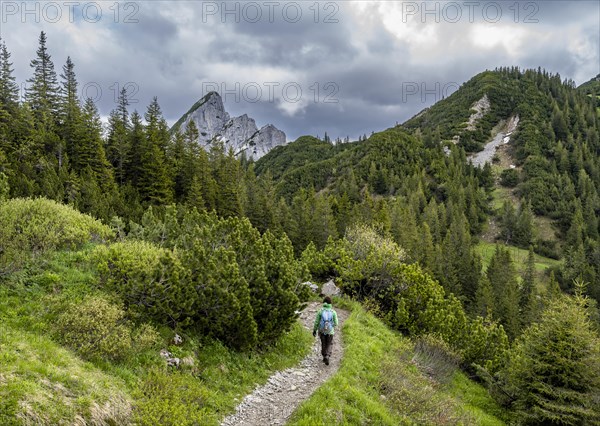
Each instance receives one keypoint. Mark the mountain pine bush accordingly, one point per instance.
(33, 226)
(95, 328)
(371, 267)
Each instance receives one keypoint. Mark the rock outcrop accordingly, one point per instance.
(240, 133)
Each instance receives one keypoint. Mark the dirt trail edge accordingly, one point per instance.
(275, 401)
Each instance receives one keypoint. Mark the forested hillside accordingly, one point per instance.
(162, 237)
(555, 173)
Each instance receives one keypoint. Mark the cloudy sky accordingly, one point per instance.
(345, 67)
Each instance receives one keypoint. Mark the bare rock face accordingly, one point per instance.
(240, 133)
(267, 138)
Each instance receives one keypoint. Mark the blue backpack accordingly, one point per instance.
(326, 324)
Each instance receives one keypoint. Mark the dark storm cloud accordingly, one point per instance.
(149, 29)
(282, 42)
(373, 55)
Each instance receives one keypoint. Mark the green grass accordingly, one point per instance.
(519, 256)
(500, 194)
(351, 396)
(476, 401)
(381, 383)
(43, 383)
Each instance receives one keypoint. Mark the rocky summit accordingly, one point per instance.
(239, 133)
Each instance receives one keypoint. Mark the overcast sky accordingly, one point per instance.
(345, 67)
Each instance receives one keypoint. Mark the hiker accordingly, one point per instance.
(325, 323)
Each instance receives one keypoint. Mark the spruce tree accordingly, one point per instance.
(484, 304)
(135, 150)
(206, 180)
(227, 175)
(43, 92)
(503, 280)
(554, 367)
(461, 266)
(9, 106)
(118, 143)
(193, 198)
(154, 181)
(70, 110)
(89, 151)
(528, 291)
(9, 89)
(186, 159)
(524, 229)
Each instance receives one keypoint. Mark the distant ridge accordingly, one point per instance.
(240, 133)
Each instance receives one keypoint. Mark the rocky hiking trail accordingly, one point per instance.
(275, 401)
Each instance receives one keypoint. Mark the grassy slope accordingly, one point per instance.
(378, 383)
(44, 383)
(519, 256)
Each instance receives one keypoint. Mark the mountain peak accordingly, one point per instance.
(240, 133)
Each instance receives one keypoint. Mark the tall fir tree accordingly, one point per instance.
(155, 181)
(137, 145)
(553, 370)
(89, 151)
(118, 143)
(227, 175)
(528, 303)
(70, 110)
(43, 91)
(9, 105)
(503, 280)
(9, 89)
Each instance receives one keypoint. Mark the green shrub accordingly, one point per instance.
(151, 281)
(33, 226)
(208, 294)
(146, 337)
(95, 328)
(246, 285)
(318, 264)
(371, 268)
(509, 178)
(172, 399)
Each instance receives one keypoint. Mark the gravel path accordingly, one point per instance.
(274, 402)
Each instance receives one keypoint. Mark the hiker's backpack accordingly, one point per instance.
(326, 324)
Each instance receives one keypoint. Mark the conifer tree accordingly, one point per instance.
(155, 182)
(528, 291)
(342, 209)
(118, 144)
(9, 89)
(554, 368)
(206, 180)
(523, 234)
(9, 106)
(89, 151)
(508, 219)
(484, 304)
(185, 157)
(461, 266)
(194, 197)
(503, 280)
(227, 175)
(70, 111)
(255, 206)
(137, 146)
(43, 92)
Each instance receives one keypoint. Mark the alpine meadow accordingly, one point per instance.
(162, 264)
